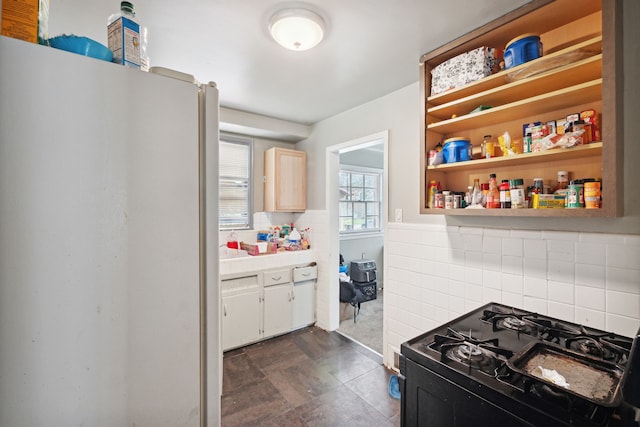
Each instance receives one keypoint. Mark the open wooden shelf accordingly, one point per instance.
(576, 72)
(565, 98)
(590, 47)
(581, 151)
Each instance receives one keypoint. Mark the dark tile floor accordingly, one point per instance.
(306, 378)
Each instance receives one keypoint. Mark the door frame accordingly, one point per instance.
(332, 167)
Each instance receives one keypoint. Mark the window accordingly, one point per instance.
(359, 202)
(235, 183)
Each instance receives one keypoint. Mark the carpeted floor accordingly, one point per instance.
(368, 328)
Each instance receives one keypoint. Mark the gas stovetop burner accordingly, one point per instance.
(482, 355)
(514, 323)
(473, 356)
(601, 346)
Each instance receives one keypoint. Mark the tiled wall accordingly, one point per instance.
(435, 273)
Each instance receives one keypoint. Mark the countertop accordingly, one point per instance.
(233, 266)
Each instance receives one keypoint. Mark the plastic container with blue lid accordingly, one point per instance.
(457, 149)
(524, 48)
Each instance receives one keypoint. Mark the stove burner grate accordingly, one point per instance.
(481, 355)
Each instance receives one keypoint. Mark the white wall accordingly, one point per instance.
(399, 113)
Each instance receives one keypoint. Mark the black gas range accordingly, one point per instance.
(503, 366)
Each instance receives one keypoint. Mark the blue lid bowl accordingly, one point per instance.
(82, 46)
(524, 48)
(457, 150)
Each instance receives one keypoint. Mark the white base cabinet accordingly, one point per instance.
(278, 292)
(260, 305)
(304, 296)
(241, 311)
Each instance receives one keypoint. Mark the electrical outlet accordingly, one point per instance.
(398, 214)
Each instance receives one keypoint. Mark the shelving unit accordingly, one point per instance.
(577, 72)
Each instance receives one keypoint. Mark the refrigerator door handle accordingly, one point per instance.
(225, 309)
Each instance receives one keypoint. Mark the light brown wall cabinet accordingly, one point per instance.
(585, 39)
(285, 180)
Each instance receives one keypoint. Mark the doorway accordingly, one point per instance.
(367, 155)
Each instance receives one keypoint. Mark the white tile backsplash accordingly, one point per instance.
(590, 253)
(561, 311)
(535, 267)
(561, 271)
(588, 297)
(535, 249)
(537, 305)
(561, 250)
(622, 256)
(622, 280)
(588, 278)
(492, 279)
(561, 292)
(623, 303)
(512, 283)
(590, 275)
(535, 287)
(593, 318)
(513, 246)
(512, 264)
(492, 245)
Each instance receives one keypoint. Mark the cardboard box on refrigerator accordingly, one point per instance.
(465, 68)
(26, 20)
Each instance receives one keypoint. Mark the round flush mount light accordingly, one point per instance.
(297, 28)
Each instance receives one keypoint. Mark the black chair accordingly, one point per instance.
(351, 295)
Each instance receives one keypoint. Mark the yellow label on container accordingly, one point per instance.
(548, 201)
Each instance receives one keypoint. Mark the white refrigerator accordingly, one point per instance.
(108, 244)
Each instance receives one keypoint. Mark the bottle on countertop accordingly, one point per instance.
(294, 237)
(123, 35)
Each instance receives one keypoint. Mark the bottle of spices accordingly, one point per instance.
(518, 200)
(493, 196)
(487, 147)
(563, 182)
(448, 199)
(538, 185)
(505, 195)
(575, 194)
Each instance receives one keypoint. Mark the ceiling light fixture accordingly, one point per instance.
(297, 29)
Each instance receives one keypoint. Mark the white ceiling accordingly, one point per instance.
(372, 47)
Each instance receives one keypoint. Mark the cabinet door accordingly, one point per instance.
(285, 180)
(240, 319)
(277, 309)
(304, 313)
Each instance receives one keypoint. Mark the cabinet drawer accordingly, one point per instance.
(300, 274)
(276, 277)
(239, 283)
